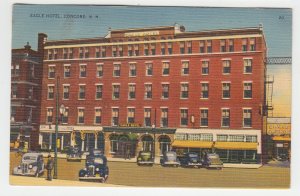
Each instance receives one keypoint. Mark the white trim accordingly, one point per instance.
(183, 108)
(130, 107)
(131, 84)
(66, 65)
(249, 81)
(226, 59)
(165, 82)
(80, 64)
(115, 107)
(184, 82)
(66, 85)
(247, 58)
(205, 59)
(97, 108)
(132, 62)
(99, 63)
(247, 108)
(81, 84)
(98, 84)
(203, 108)
(50, 84)
(145, 107)
(205, 82)
(80, 108)
(116, 84)
(162, 107)
(225, 108)
(225, 82)
(116, 63)
(51, 65)
(187, 60)
(147, 83)
(146, 62)
(165, 61)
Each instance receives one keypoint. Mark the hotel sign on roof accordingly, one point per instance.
(141, 34)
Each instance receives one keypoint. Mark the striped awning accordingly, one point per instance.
(281, 138)
(192, 144)
(236, 145)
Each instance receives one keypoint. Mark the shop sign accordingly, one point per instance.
(141, 34)
(279, 145)
(278, 129)
(130, 125)
(286, 145)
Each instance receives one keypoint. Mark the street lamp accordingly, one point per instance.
(61, 111)
(153, 131)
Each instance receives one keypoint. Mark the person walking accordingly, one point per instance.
(49, 167)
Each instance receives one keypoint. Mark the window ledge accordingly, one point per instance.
(247, 98)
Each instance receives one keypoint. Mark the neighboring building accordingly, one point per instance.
(26, 79)
(133, 85)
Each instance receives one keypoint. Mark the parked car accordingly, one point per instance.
(96, 169)
(191, 159)
(32, 164)
(74, 154)
(96, 152)
(145, 158)
(212, 160)
(169, 159)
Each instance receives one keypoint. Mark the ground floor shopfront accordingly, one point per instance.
(233, 146)
(20, 136)
(281, 146)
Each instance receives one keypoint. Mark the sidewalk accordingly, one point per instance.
(30, 181)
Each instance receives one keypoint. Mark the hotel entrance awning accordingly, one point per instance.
(236, 145)
(191, 144)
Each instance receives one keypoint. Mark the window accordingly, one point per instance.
(82, 69)
(131, 91)
(51, 72)
(184, 91)
(116, 91)
(252, 44)
(31, 73)
(14, 90)
(30, 92)
(115, 117)
(170, 49)
(148, 91)
(185, 68)
(236, 138)
(147, 117)
(149, 69)
(231, 45)
(223, 45)
(146, 49)
(81, 92)
(206, 137)
(50, 55)
(225, 117)
(132, 70)
(97, 52)
(70, 53)
(244, 44)
(99, 72)
(50, 92)
(130, 115)
(49, 115)
(183, 117)
(86, 52)
(204, 118)
(80, 52)
(182, 49)
(98, 113)
(130, 50)
(17, 70)
(194, 137)
(201, 46)
(66, 91)
(165, 91)
(247, 90)
(65, 116)
(226, 66)
(180, 136)
(80, 119)
(103, 51)
(114, 51)
(55, 53)
(225, 90)
(247, 117)
(153, 51)
(247, 65)
(163, 49)
(209, 46)
(205, 67)
(120, 48)
(164, 117)
(117, 70)
(136, 50)
(99, 90)
(67, 71)
(251, 138)
(204, 90)
(222, 138)
(12, 72)
(189, 47)
(165, 68)
(13, 112)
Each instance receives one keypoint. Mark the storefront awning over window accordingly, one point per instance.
(281, 138)
(236, 145)
(191, 144)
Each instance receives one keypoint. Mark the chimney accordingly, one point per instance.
(42, 39)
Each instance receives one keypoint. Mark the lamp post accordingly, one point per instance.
(153, 131)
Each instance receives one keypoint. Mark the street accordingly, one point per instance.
(129, 174)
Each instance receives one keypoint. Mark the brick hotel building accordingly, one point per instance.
(157, 89)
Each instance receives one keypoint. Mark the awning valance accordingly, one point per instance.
(236, 145)
(281, 138)
(192, 144)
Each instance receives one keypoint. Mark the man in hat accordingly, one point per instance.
(49, 167)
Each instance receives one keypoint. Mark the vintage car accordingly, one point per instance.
(96, 169)
(145, 158)
(74, 154)
(191, 159)
(212, 160)
(169, 159)
(32, 164)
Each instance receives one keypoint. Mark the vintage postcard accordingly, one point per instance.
(143, 96)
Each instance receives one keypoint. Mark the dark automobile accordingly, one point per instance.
(191, 159)
(212, 160)
(74, 154)
(32, 164)
(96, 169)
(145, 158)
(169, 159)
(96, 152)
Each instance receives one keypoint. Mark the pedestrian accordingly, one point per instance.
(128, 153)
(49, 167)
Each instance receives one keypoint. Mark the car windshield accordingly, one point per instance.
(213, 156)
(193, 155)
(145, 154)
(99, 161)
(32, 158)
(170, 154)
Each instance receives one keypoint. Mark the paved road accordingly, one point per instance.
(129, 174)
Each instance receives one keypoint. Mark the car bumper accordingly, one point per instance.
(214, 166)
(171, 163)
(194, 164)
(91, 178)
(145, 162)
